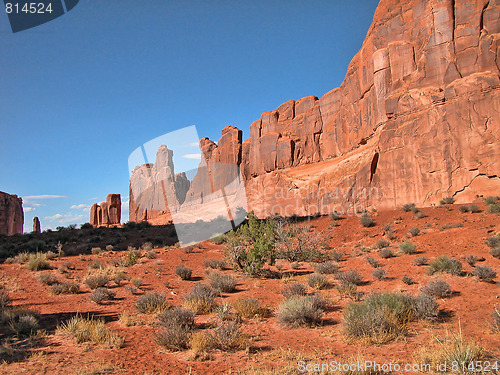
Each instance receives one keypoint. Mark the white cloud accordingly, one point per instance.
(29, 209)
(84, 207)
(192, 156)
(54, 217)
(44, 196)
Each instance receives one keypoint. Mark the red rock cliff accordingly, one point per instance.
(11, 214)
(415, 120)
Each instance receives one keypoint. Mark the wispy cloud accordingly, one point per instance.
(65, 219)
(29, 209)
(192, 156)
(44, 196)
(81, 206)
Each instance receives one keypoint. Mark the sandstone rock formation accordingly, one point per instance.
(415, 120)
(107, 213)
(36, 225)
(11, 214)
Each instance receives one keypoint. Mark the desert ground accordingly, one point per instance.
(36, 337)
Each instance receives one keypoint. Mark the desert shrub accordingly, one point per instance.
(147, 246)
(293, 289)
(474, 208)
(50, 255)
(351, 276)
(495, 252)
(407, 280)
(317, 281)
(299, 310)
(451, 226)
(4, 298)
(349, 290)
(446, 264)
(38, 262)
(419, 215)
(214, 264)
(326, 268)
(177, 317)
(47, 278)
(379, 273)
(97, 281)
(484, 273)
(23, 325)
(151, 254)
(493, 241)
(96, 265)
(437, 288)
(90, 330)
(101, 295)
(386, 253)
(23, 257)
(172, 338)
(366, 220)
(151, 303)
(136, 281)
(199, 342)
(372, 262)
(218, 240)
(131, 289)
(335, 215)
(96, 251)
(64, 288)
(299, 243)
(337, 256)
(131, 258)
(420, 261)
(381, 244)
(463, 209)
(226, 336)
(408, 247)
(201, 299)
(120, 277)
(380, 317)
(248, 307)
(183, 272)
(495, 315)
(491, 200)
(409, 207)
(414, 231)
(222, 283)
(494, 208)
(425, 307)
(471, 260)
(295, 265)
(447, 200)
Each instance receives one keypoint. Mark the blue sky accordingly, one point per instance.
(79, 94)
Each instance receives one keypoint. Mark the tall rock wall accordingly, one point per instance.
(415, 120)
(11, 214)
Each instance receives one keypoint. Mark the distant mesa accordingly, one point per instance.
(11, 214)
(415, 120)
(107, 214)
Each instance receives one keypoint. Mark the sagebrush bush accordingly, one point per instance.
(218, 240)
(201, 299)
(491, 200)
(437, 288)
(379, 273)
(386, 253)
(407, 280)
(419, 215)
(337, 256)
(96, 265)
(372, 262)
(294, 289)
(299, 310)
(447, 200)
(420, 261)
(326, 268)
(495, 252)
(493, 241)
(226, 336)
(408, 247)
(23, 325)
(484, 273)
(64, 288)
(351, 276)
(183, 272)
(494, 208)
(151, 303)
(414, 231)
(172, 338)
(101, 295)
(248, 307)
(136, 281)
(90, 330)
(381, 244)
(47, 279)
(97, 281)
(446, 264)
(474, 208)
(215, 264)
(471, 260)
(317, 281)
(409, 207)
(366, 220)
(222, 283)
(177, 317)
(463, 209)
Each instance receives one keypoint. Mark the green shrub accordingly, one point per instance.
(409, 207)
(444, 264)
(447, 200)
(131, 258)
(419, 215)
(183, 272)
(222, 283)
(299, 310)
(293, 289)
(408, 247)
(366, 220)
(218, 240)
(326, 268)
(495, 252)
(484, 273)
(151, 303)
(437, 288)
(474, 208)
(471, 260)
(201, 299)
(463, 209)
(317, 281)
(493, 241)
(90, 330)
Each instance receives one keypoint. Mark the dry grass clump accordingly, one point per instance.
(379, 274)
(214, 264)
(317, 281)
(101, 295)
(446, 264)
(97, 281)
(372, 262)
(299, 310)
(47, 279)
(408, 247)
(294, 289)
(249, 308)
(337, 256)
(227, 336)
(152, 303)
(222, 283)
(201, 299)
(437, 288)
(37, 262)
(496, 320)
(136, 281)
(351, 277)
(64, 288)
(90, 330)
(23, 324)
(183, 272)
(326, 268)
(471, 260)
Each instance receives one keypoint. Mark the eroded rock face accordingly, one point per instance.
(36, 225)
(415, 120)
(11, 214)
(107, 213)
